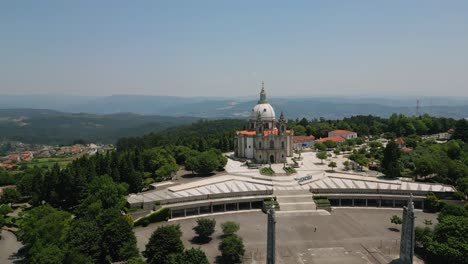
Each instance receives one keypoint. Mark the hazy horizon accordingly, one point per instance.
(226, 49)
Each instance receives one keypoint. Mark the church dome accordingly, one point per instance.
(263, 108)
(266, 111)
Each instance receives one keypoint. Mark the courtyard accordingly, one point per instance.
(356, 235)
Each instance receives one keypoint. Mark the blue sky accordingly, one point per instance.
(226, 48)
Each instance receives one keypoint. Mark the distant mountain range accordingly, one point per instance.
(53, 127)
(205, 107)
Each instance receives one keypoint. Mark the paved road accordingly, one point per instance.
(340, 238)
(8, 246)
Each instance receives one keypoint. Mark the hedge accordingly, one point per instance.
(158, 216)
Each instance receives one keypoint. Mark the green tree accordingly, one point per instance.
(118, 237)
(330, 144)
(391, 160)
(346, 164)
(453, 149)
(232, 249)
(207, 162)
(106, 193)
(321, 155)
(320, 146)
(10, 195)
(299, 130)
(230, 227)
(6, 178)
(395, 219)
(432, 203)
(337, 152)
(449, 243)
(163, 243)
(461, 130)
(205, 228)
(332, 165)
(85, 237)
(190, 256)
(5, 209)
(43, 231)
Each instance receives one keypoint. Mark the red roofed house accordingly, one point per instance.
(302, 142)
(346, 134)
(400, 142)
(266, 140)
(337, 139)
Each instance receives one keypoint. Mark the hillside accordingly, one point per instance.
(53, 127)
(294, 107)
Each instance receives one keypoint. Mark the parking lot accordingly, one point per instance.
(346, 236)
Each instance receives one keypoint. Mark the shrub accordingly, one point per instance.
(232, 249)
(267, 171)
(230, 228)
(205, 228)
(158, 216)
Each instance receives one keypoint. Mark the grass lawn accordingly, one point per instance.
(62, 161)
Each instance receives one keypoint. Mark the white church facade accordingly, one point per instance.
(266, 140)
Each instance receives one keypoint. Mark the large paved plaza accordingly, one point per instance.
(356, 235)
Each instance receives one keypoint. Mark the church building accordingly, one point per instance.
(266, 140)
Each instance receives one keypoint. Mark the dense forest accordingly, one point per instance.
(93, 188)
(38, 126)
(394, 126)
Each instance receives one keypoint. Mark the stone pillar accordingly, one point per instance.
(407, 233)
(271, 235)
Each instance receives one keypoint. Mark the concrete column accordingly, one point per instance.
(393, 202)
(353, 201)
(185, 212)
(339, 201)
(198, 209)
(171, 212)
(380, 203)
(224, 207)
(250, 205)
(366, 202)
(237, 206)
(211, 208)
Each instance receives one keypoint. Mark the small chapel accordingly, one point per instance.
(266, 140)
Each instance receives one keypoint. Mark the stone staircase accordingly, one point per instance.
(295, 201)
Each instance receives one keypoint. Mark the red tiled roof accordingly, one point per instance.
(399, 141)
(270, 131)
(335, 138)
(265, 132)
(300, 139)
(247, 132)
(343, 132)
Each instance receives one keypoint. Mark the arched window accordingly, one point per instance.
(282, 144)
(272, 144)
